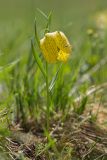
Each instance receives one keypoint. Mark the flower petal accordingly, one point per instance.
(63, 56)
(62, 42)
(49, 48)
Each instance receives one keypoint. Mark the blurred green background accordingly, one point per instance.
(65, 12)
(17, 17)
(73, 10)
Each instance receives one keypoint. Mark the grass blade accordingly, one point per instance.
(42, 13)
(9, 66)
(81, 109)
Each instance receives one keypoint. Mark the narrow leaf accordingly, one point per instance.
(47, 28)
(52, 84)
(37, 59)
(36, 34)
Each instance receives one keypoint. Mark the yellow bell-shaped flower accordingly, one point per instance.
(55, 47)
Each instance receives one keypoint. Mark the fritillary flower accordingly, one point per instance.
(55, 47)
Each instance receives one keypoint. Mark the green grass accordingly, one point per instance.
(40, 104)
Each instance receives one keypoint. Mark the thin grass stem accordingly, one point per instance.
(47, 92)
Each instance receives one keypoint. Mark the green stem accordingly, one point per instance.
(47, 90)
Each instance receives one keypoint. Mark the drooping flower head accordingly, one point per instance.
(55, 47)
